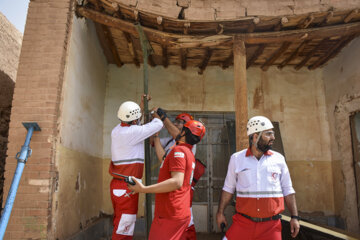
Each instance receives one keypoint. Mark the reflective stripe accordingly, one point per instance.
(128, 161)
(259, 193)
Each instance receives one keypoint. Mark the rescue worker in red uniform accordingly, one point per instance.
(172, 199)
(127, 153)
(261, 180)
(164, 145)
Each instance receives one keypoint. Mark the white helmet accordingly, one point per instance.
(129, 111)
(258, 124)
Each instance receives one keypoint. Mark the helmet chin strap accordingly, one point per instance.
(257, 140)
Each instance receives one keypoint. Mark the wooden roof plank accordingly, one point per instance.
(306, 23)
(310, 54)
(294, 54)
(132, 48)
(228, 61)
(110, 41)
(332, 52)
(275, 56)
(351, 15)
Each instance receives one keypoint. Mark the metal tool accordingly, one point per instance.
(222, 226)
(127, 179)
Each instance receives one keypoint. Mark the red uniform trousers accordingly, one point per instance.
(168, 229)
(244, 228)
(125, 209)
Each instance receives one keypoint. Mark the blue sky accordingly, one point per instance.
(15, 11)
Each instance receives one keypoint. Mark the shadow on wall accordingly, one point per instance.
(6, 95)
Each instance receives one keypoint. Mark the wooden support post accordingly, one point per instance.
(240, 93)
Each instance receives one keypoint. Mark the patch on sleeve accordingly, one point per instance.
(179, 155)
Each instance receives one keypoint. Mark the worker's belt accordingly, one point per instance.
(276, 217)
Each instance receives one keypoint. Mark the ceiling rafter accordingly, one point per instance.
(256, 55)
(275, 56)
(205, 62)
(310, 54)
(294, 54)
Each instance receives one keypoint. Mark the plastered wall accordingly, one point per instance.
(78, 194)
(342, 91)
(295, 99)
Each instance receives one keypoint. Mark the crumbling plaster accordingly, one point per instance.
(342, 91)
(78, 192)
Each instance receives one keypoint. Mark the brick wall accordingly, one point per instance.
(36, 98)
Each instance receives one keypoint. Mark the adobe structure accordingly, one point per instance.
(295, 62)
(10, 44)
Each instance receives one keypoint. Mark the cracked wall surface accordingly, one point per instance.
(342, 91)
(79, 193)
(232, 9)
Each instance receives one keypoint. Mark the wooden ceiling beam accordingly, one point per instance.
(351, 15)
(281, 23)
(132, 49)
(181, 41)
(255, 56)
(206, 60)
(165, 59)
(275, 56)
(186, 28)
(253, 24)
(306, 23)
(228, 61)
(109, 39)
(183, 54)
(294, 54)
(310, 54)
(327, 18)
(332, 52)
(159, 21)
(151, 61)
(104, 43)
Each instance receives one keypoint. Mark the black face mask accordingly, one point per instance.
(263, 146)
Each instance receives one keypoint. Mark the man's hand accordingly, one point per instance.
(220, 218)
(154, 113)
(138, 187)
(294, 227)
(148, 97)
